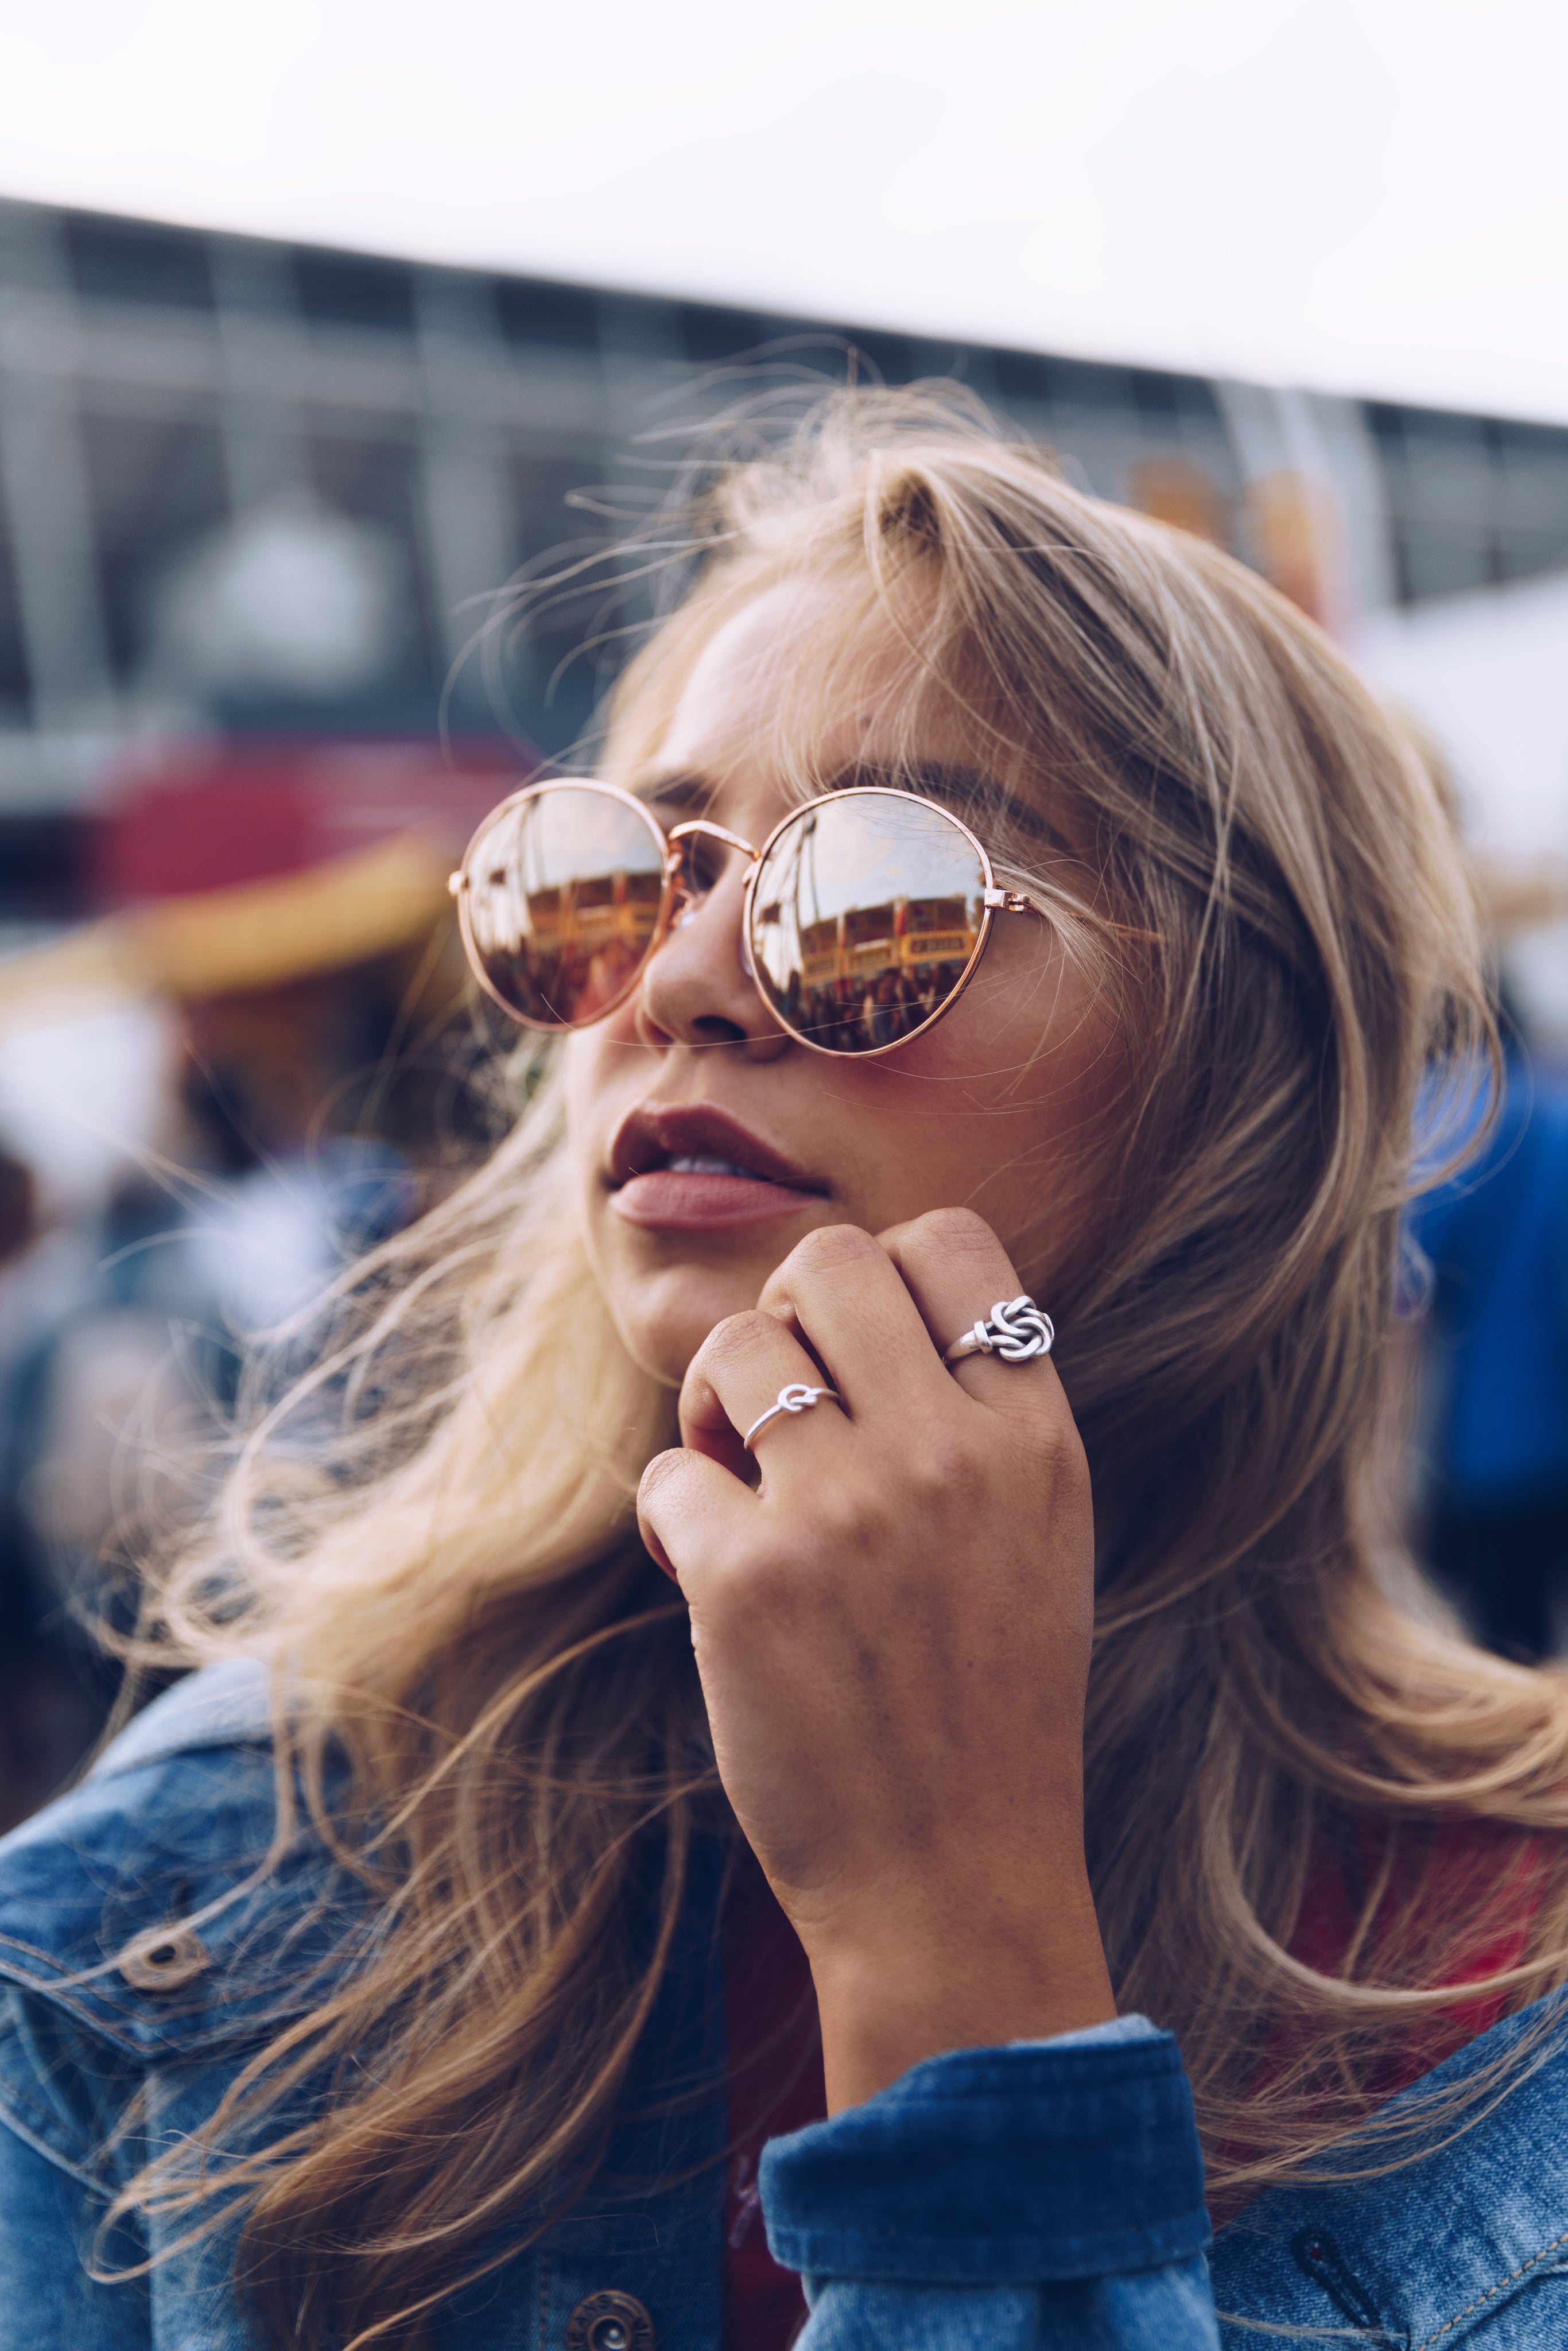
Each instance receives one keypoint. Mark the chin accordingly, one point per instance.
(662, 1329)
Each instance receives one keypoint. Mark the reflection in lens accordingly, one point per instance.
(563, 902)
(865, 913)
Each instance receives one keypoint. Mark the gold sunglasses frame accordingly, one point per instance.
(994, 901)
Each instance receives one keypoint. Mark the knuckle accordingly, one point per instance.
(770, 1582)
(946, 1466)
(664, 1472)
(852, 1519)
(831, 1247)
(736, 1338)
(959, 1230)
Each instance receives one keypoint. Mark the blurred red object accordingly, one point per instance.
(215, 819)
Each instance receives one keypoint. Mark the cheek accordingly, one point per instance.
(1039, 1029)
(1029, 1072)
(588, 1072)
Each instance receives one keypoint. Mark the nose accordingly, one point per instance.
(696, 990)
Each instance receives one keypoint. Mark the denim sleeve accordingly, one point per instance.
(1049, 2193)
(52, 2206)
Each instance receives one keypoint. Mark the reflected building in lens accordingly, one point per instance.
(852, 962)
(563, 895)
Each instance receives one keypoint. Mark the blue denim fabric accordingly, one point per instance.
(991, 2163)
(1045, 2197)
(1167, 2309)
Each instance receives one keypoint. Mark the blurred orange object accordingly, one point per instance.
(1295, 535)
(1179, 491)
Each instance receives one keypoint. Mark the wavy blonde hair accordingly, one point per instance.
(444, 1571)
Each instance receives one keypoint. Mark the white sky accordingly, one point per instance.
(1357, 194)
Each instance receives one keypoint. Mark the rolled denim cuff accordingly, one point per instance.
(1035, 2162)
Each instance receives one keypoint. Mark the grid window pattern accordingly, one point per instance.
(536, 391)
(537, 315)
(1473, 501)
(354, 289)
(157, 485)
(360, 468)
(137, 261)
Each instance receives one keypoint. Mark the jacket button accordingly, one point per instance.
(166, 1961)
(610, 2321)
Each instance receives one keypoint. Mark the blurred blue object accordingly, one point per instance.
(1496, 1237)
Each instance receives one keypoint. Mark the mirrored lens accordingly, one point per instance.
(563, 899)
(865, 914)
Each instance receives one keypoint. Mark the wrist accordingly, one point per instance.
(887, 2003)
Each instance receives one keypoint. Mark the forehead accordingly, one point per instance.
(803, 664)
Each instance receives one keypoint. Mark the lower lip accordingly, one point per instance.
(669, 1201)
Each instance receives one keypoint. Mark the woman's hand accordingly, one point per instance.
(892, 1633)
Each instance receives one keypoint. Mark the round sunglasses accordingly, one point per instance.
(865, 912)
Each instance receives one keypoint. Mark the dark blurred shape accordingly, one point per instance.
(46, 865)
(537, 314)
(354, 289)
(137, 261)
(1495, 1513)
(51, 1698)
(18, 1208)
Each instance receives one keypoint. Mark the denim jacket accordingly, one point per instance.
(1042, 2197)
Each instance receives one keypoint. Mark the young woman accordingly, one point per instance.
(1026, 1780)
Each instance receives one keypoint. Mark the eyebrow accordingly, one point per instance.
(971, 793)
(682, 788)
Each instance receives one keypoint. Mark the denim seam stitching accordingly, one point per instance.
(1509, 2279)
(16, 2124)
(899, 2229)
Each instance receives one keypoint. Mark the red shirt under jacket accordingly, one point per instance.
(1483, 1876)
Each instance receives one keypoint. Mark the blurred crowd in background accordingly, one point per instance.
(256, 500)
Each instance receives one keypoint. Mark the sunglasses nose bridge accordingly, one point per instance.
(687, 884)
(700, 828)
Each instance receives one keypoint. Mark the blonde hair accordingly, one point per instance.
(445, 1572)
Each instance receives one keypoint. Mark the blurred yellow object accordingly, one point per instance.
(1524, 897)
(226, 942)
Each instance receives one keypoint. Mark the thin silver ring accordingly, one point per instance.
(796, 1398)
(1016, 1329)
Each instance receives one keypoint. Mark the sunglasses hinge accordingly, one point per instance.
(1006, 901)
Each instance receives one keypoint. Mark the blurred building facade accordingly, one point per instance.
(251, 488)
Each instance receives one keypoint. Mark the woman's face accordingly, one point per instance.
(707, 1142)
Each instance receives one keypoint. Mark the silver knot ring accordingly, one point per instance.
(1016, 1330)
(796, 1398)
